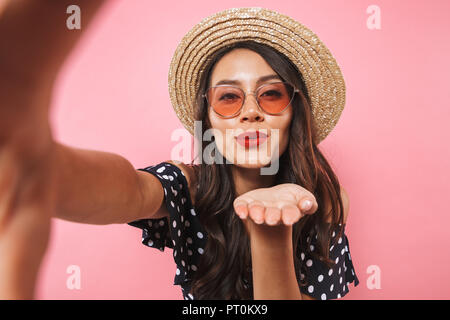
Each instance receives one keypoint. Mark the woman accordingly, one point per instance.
(236, 233)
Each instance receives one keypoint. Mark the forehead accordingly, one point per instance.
(240, 64)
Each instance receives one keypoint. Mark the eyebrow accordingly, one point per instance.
(261, 79)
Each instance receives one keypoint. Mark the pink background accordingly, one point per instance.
(388, 149)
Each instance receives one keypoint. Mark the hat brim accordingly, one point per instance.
(321, 73)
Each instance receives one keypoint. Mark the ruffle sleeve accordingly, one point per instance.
(181, 231)
(324, 283)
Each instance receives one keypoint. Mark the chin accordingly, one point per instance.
(251, 161)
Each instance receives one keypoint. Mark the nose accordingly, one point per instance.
(250, 110)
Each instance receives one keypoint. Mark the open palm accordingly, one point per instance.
(282, 204)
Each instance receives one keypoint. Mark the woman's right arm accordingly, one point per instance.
(92, 187)
(97, 187)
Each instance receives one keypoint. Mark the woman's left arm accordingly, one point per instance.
(271, 212)
(273, 263)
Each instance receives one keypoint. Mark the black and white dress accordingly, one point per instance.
(187, 237)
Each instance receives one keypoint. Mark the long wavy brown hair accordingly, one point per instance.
(225, 265)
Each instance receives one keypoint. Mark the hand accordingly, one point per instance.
(282, 204)
(27, 192)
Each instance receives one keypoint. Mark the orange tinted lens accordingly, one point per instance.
(274, 98)
(225, 100)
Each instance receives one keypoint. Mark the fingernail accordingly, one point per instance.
(307, 204)
(289, 221)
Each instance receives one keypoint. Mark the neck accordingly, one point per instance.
(247, 179)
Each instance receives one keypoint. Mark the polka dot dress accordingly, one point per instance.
(326, 283)
(183, 232)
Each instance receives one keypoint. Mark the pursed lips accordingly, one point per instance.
(252, 135)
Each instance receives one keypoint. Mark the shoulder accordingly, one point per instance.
(345, 203)
(190, 174)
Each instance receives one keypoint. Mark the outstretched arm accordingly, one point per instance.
(40, 178)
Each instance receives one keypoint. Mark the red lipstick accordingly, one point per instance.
(251, 139)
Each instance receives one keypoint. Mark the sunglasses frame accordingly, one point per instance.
(204, 95)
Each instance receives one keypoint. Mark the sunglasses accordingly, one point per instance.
(272, 98)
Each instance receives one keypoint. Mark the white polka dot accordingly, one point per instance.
(320, 278)
(200, 250)
(176, 174)
(339, 270)
(170, 178)
(332, 247)
(340, 240)
(174, 224)
(150, 242)
(187, 224)
(194, 267)
(150, 223)
(343, 288)
(161, 169)
(165, 191)
(193, 212)
(334, 233)
(338, 295)
(181, 249)
(337, 259)
(178, 208)
(310, 289)
(340, 280)
(173, 241)
(183, 263)
(353, 273)
(302, 276)
(309, 263)
(332, 287)
(342, 251)
(200, 235)
(178, 272)
(189, 240)
(302, 255)
(179, 232)
(165, 177)
(174, 253)
(157, 235)
(172, 204)
(330, 272)
(311, 247)
(183, 200)
(191, 296)
(182, 218)
(346, 248)
(323, 296)
(161, 223)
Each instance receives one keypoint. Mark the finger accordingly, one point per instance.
(273, 216)
(290, 214)
(240, 206)
(308, 205)
(256, 211)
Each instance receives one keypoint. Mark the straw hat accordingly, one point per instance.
(322, 75)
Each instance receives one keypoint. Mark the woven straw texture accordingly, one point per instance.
(323, 78)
